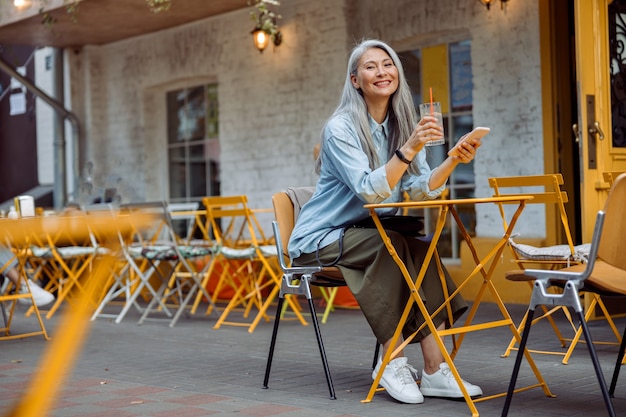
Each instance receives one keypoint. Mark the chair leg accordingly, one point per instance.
(596, 365)
(320, 344)
(618, 364)
(376, 352)
(4, 313)
(518, 362)
(270, 355)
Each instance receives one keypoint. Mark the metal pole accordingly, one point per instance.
(60, 177)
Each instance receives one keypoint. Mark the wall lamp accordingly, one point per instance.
(261, 38)
(266, 27)
(488, 3)
(22, 4)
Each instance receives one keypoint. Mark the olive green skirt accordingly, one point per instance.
(379, 286)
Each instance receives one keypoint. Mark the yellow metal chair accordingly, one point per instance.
(546, 189)
(249, 259)
(65, 257)
(9, 294)
(605, 273)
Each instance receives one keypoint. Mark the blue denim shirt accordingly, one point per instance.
(347, 182)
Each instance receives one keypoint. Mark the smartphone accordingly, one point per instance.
(478, 133)
(474, 136)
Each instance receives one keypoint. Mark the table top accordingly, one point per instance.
(435, 203)
(105, 225)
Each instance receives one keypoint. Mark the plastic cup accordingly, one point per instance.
(433, 109)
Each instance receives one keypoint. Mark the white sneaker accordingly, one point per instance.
(443, 384)
(398, 380)
(41, 296)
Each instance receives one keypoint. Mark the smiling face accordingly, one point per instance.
(376, 76)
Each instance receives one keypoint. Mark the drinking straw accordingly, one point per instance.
(431, 101)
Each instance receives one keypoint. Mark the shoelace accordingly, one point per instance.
(448, 374)
(405, 374)
(413, 371)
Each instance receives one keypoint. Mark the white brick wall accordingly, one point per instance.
(273, 105)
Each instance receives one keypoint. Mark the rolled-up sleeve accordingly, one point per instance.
(417, 185)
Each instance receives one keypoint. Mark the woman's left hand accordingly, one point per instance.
(465, 150)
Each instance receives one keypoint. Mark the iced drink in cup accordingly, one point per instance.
(433, 109)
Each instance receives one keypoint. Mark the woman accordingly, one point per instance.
(372, 151)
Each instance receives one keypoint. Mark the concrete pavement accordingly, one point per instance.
(192, 370)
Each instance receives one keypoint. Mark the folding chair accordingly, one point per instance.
(249, 262)
(65, 260)
(164, 265)
(126, 283)
(9, 293)
(188, 279)
(605, 273)
(546, 189)
(298, 280)
(155, 265)
(183, 218)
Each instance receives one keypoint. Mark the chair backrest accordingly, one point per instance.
(283, 211)
(545, 189)
(160, 231)
(606, 243)
(280, 246)
(286, 212)
(183, 219)
(232, 223)
(611, 249)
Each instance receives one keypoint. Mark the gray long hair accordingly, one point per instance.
(402, 116)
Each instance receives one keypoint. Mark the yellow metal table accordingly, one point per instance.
(483, 271)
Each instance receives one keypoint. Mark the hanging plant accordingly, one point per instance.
(71, 7)
(157, 6)
(265, 19)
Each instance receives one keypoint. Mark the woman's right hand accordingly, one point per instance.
(425, 131)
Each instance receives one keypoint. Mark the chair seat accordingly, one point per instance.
(168, 252)
(67, 252)
(195, 251)
(518, 275)
(551, 253)
(607, 278)
(268, 250)
(604, 278)
(238, 253)
(330, 276)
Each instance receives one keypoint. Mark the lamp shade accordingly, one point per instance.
(22, 4)
(261, 39)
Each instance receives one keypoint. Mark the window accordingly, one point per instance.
(447, 69)
(193, 143)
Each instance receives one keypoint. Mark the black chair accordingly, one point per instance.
(604, 274)
(298, 280)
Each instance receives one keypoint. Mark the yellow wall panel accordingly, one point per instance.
(435, 76)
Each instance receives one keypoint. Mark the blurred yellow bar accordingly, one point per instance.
(65, 346)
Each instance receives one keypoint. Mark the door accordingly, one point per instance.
(600, 33)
